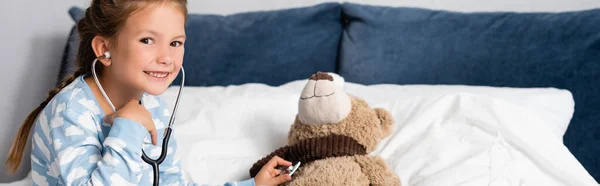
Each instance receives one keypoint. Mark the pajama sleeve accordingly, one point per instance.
(78, 158)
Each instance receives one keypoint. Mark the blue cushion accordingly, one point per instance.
(419, 46)
(69, 57)
(271, 47)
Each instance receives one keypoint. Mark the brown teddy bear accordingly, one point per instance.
(332, 136)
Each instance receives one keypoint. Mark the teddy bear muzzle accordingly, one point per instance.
(322, 101)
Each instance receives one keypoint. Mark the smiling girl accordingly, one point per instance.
(77, 137)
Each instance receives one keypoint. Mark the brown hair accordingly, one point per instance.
(104, 18)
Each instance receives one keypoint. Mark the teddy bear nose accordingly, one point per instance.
(321, 76)
(319, 85)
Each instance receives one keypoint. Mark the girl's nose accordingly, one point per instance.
(164, 57)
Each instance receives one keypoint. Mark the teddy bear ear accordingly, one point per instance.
(386, 120)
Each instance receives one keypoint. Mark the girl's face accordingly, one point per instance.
(149, 50)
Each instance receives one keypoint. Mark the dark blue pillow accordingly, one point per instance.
(418, 46)
(271, 47)
(68, 65)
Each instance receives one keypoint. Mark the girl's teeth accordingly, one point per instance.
(158, 75)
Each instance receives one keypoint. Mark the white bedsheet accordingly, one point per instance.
(444, 135)
(467, 139)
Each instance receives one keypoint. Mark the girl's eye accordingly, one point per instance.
(176, 43)
(147, 41)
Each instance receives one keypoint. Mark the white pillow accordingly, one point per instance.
(222, 131)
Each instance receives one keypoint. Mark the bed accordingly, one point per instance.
(480, 98)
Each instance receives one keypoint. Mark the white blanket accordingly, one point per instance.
(467, 139)
(443, 135)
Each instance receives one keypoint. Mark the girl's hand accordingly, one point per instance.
(267, 176)
(138, 113)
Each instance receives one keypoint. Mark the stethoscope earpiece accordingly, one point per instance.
(107, 55)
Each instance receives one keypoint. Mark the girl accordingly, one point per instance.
(78, 139)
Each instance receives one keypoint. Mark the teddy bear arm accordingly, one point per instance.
(377, 171)
(386, 120)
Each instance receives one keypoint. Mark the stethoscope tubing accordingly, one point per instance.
(167, 135)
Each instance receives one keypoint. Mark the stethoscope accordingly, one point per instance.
(163, 153)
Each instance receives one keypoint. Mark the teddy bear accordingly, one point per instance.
(332, 136)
